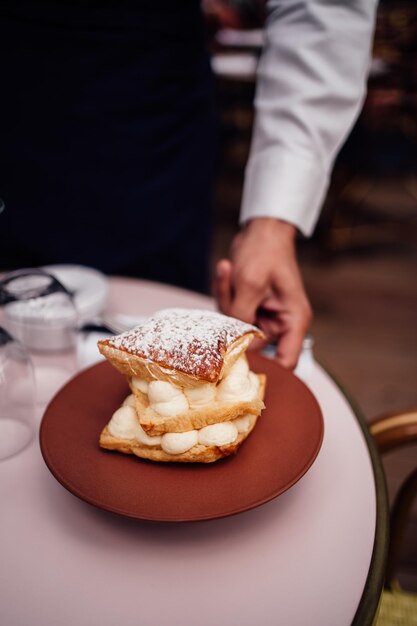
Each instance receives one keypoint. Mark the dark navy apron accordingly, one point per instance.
(106, 137)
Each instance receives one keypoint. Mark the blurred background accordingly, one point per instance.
(360, 265)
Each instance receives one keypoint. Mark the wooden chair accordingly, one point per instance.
(390, 432)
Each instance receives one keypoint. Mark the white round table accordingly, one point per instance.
(313, 556)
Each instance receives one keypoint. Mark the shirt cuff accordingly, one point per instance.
(286, 187)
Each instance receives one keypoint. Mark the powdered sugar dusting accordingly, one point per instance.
(192, 341)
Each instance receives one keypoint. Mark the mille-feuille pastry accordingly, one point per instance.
(194, 398)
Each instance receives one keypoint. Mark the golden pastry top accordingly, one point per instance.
(193, 342)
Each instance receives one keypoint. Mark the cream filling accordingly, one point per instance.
(240, 385)
(177, 443)
(140, 384)
(168, 400)
(201, 395)
(218, 434)
(124, 424)
(243, 423)
(130, 400)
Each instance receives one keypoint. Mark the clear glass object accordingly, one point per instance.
(17, 396)
(305, 363)
(40, 312)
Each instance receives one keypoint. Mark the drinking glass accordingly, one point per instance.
(40, 312)
(17, 396)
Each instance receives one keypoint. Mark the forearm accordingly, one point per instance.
(311, 84)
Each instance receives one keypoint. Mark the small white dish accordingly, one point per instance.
(90, 288)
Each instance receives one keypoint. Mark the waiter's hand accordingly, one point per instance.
(262, 285)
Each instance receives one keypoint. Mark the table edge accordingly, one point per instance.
(367, 610)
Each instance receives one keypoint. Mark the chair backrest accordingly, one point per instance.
(390, 432)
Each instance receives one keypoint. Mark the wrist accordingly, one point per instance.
(272, 226)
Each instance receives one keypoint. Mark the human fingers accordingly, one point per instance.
(289, 347)
(272, 327)
(296, 320)
(247, 296)
(223, 285)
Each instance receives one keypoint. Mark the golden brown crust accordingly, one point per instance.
(155, 424)
(196, 454)
(184, 347)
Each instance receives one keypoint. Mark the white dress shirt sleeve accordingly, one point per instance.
(310, 88)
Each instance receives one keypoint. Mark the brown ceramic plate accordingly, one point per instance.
(282, 447)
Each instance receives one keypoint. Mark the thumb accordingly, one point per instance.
(223, 285)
